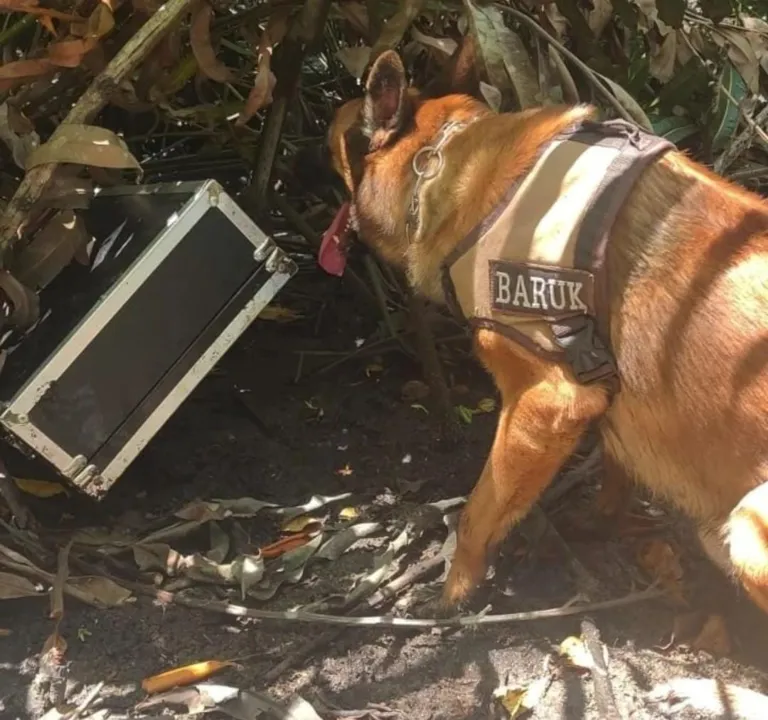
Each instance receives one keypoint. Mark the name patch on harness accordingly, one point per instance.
(543, 291)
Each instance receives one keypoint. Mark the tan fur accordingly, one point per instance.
(688, 287)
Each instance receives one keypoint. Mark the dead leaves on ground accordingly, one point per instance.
(233, 702)
(265, 80)
(200, 40)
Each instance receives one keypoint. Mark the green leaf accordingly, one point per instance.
(673, 128)
(465, 414)
(730, 91)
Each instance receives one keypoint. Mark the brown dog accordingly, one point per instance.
(678, 291)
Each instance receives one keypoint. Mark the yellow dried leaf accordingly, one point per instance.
(575, 653)
(349, 513)
(298, 524)
(519, 700)
(39, 488)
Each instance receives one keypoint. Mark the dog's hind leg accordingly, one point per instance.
(544, 412)
(746, 534)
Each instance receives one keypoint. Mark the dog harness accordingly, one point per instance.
(533, 270)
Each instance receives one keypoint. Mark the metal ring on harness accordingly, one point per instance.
(429, 152)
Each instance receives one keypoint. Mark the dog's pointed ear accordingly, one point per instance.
(386, 99)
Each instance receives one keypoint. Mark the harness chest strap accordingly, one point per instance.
(533, 269)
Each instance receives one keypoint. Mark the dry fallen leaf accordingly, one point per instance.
(337, 545)
(661, 61)
(446, 46)
(285, 545)
(354, 59)
(575, 653)
(84, 145)
(299, 524)
(16, 73)
(659, 560)
(519, 700)
(181, 676)
(99, 591)
(18, 133)
(39, 488)
(741, 53)
(16, 586)
(69, 53)
(264, 84)
(349, 513)
(200, 40)
(31, 7)
(714, 637)
(50, 251)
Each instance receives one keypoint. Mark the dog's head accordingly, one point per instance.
(371, 141)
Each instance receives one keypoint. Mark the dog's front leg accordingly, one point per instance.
(544, 413)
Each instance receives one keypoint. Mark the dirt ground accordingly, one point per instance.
(251, 430)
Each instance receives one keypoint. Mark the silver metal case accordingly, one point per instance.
(177, 272)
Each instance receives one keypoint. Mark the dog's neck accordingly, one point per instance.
(427, 164)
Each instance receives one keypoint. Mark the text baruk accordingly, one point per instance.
(538, 293)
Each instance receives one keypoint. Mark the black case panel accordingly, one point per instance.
(146, 337)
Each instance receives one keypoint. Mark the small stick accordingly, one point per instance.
(570, 608)
(604, 697)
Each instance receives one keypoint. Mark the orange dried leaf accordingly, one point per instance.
(30, 7)
(264, 84)
(284, 545)
(47, 22)
(181, 676)
(200, 40)
(70, 52)
(20, 71)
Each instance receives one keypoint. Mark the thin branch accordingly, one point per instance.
(570, 608)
